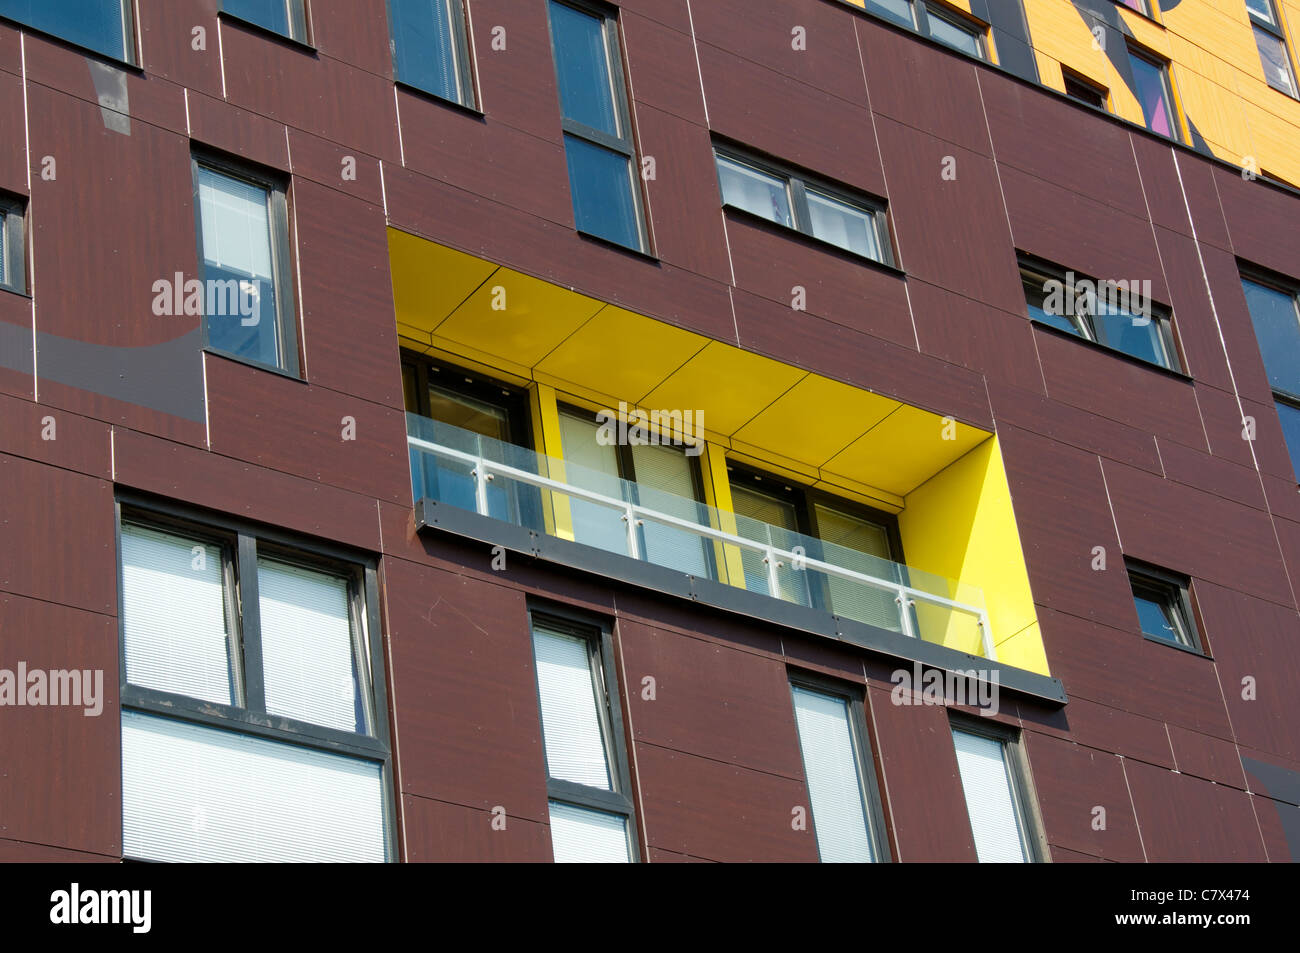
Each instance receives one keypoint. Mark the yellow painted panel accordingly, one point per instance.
(904, 450)
(961, 525)
(717, 493)
(621, 352)
(817, 413)
(433, 279)
(518, 317)
(735, 384)
(546, 436)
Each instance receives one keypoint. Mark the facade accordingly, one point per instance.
(529, 430)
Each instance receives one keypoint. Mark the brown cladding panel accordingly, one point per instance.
(684, 204)
(773, 262)
(168, 41)
(18, 357)
(21, 852)
(60, 439)
(189, 475)
(924, 803)
(62, 523)
(280, 423)
(1201, 195)
(790, 120)
(951, 232)
(930, 89)
(355, 32)
(1211, 474)
(720, 811)
(661, 67)
(323, 96)
(1186, 819)
(338, 167)
(1238, 331)
(517, 83)
(349, 334)
(1103, 727)
(443, 833)
(1221, 413)
(61, 777)
(715, 702)
(1264, 222)
(1193, 313)
(1198, 534)
(217, 124)
(1071, 782)
(1096, 160)
(1160, 186)
(464, 693)
(1202, 756)
(675, 14)
(824, 54)
(13, 149)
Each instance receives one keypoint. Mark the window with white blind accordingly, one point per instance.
(994, 782)
(252, 723)
(243, 244)
(838, 773)
(13, 264)
(591, 813)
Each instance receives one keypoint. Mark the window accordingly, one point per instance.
(1275, 312)
(994, 780)
(13, 260)
(662, 477)
(772, 510)
(1271, 42)
(1139, 5)
(935, 20)
(846, 813)
(1118, 315)
(286, 17)
(588, 784)
(820, 210)
(1078, 88)
(597, 125)
(104, 26)
(252, 718)
(1151, 84)
(1164, 606)
(431, 48)
(243, 238)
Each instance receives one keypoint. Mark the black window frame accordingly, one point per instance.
(1024, 797)
(1291, 288)
(599, 636)
(279, 218)
(298, 17)
(240, 544)
(798, 183)
(1085, 90)
(1036, 272)
(13, 240)
(1278, 32)
(979, 31)
(130, 42)
(462, 53)
(476, 386)
(623, 451)
(1167, 84)
(1174, 592)
(625, 144)
(864, 755)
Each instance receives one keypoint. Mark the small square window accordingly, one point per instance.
(243, 238)
(286, 17)
(1164, 607)
(13, 260)
(951, 29)
(761, 193)
(1080, 89)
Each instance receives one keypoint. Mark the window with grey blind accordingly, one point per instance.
(243, 243)
(846, 815)
(431, 48)
(252, 719)
(104, 26)
(1270, 40)
(994, 782)
(589, 787)
(286, 17)
(13, 260)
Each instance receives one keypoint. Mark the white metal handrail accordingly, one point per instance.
(484, 470)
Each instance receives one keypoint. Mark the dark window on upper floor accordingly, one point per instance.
(286, 17)
(1164, 606)
(937, 20)
(254, 724)
(1154, 92)
(1116, 315)
(598, 143)
(1274, 305)
(430, 47)
(589, 788)
(13, 259)
(838, 769)
(1270, 39)
(1085, 91)
(243, 242)
(999, 798)
(1140, 6)
(105, 26)
(856, 223)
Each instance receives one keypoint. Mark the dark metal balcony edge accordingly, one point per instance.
(429, 514)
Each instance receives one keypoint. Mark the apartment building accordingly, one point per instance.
(531, 430)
